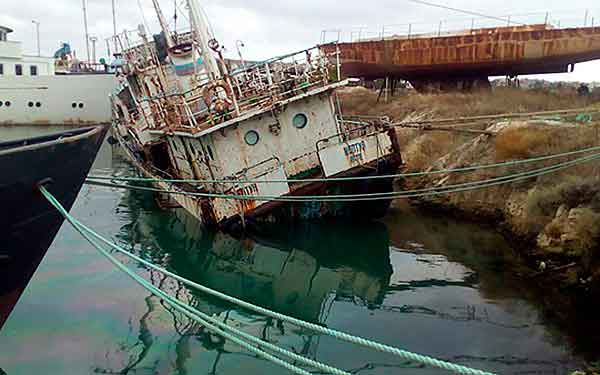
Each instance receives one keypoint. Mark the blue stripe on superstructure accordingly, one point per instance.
(186, 68)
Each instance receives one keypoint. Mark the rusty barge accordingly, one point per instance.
(181, 114)
(466, 58)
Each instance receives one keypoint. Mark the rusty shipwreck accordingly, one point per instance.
(255, 130)
(466, 58)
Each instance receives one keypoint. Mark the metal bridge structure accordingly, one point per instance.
(446, 60)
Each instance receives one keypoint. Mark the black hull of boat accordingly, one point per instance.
(28, 224)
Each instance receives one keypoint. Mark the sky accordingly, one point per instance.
(269, 28)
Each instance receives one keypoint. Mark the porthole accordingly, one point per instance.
(38, 104)
(74, 105)
(30, 104)
(1, 103)
(300, 121)
(80, 105)
(7, 103)
(251, 137)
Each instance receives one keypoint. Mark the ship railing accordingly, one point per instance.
(266, 83)
(353, 127)
(463, 26)
(255, 87)
(279, 77)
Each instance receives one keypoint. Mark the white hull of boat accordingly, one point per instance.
(56, 100)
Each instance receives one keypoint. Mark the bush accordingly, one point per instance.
(574, 191)
(587, 227)
(520, 143)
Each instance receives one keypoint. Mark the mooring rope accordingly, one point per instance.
(199, 317)
(88, 233)
(473, 168)
(407, 194)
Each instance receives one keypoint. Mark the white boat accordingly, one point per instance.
(257, 133)
(31, 91)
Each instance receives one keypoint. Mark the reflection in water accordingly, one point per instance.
(291, 270)
(299, 271)
(428, 284)
(307, 270)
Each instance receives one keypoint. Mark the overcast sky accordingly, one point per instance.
(273, 27)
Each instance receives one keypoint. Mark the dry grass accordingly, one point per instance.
(421, 149)
(361, 101)
(427, 147)
(521, 143)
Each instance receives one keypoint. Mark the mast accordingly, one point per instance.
(163, 24)
(114, 18)
(200, 30)
(85, 25)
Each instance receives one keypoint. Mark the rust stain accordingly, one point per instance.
(247, 205)
(532, 48)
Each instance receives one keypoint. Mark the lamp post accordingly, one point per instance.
(238, 45)
(37, 30)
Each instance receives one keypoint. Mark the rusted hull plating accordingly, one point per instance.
(224, 213)
(485, 52)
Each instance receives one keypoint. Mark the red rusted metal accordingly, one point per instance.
(511, 51)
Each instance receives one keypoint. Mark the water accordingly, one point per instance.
(427, 284)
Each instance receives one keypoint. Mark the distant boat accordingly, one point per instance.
(51, 91)
(28, 224)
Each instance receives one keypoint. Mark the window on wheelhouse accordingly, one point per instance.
(19, 69)
(1, 69)
(33, 70)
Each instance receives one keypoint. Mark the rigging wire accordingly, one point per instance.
(472, 13)
(471, 168)
(409, 194)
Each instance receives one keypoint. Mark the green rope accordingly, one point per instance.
(356, 178)
(407, 194)
(202, 318)
(87, 232)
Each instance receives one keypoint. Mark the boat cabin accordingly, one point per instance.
(14, 63)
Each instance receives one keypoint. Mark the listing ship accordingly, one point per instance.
(51, 90)
(29, 223)
(261, 130)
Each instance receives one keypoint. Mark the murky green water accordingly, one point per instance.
(426, 284)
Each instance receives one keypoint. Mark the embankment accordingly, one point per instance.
(554, 219)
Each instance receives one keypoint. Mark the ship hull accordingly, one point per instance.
(280, 210)
(56, 100)
(349, 210)
(29, 223)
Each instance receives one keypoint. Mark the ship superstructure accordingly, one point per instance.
(256, 131)
(36, 89)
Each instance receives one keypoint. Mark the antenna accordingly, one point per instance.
(85, 25)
